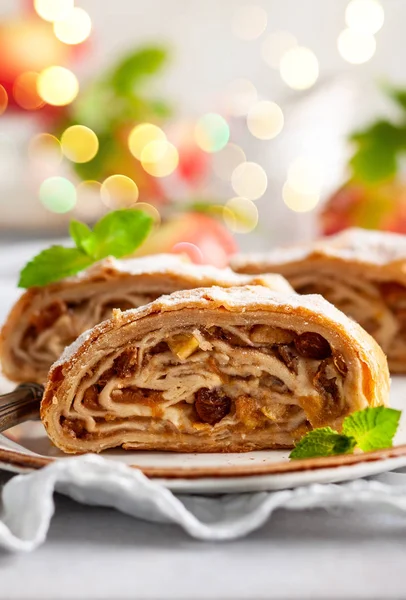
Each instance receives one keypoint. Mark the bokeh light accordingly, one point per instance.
(57, 86)
(3, 100)
(227, 160)
(25, 91)
(160, 158)
(52, 10)
(58, 194)
(151, 210)
(240, 215)
(275, 45)
(45, 151)
(265, 120)
(249, 22)
(249, 180)
(79, 143)
(212, 132)
(75, 28)
(355, 47)
(141, 135)
(191, 250)
(365, 16)
(119, 191)
(88, 205)
(305, 176)
(297, 201)
(299, 68)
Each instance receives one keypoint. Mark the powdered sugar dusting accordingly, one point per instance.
(352, 245)
(234, 299)
(174, 265)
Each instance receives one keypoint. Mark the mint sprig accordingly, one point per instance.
(368, 429)
(117, 234)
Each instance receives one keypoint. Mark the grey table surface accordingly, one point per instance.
(99, 553)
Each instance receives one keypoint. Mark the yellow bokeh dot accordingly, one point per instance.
(52, 10)
(89, 206)
(355, 47)
(151, 210)
(249, 22)
(240, 215)
(265, 120)
(25, 91)
(227, 160)
(79, 143)
(119, 191)
(160, 158)
(57, 86)
(45, 150)
(305, 176)
(297, 201)
(3, 100)
(75, 28)
(141, 135)
(299, 68)
(249, 180)
(364, 16)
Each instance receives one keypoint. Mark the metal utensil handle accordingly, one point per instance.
(22, 404)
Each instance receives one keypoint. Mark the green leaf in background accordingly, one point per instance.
(53, 264)
(372, 428)
(323, 442)
(377, 152)
(79, 232)
(135, 67)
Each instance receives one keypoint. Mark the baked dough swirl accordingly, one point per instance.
(361, 272)
(213, 370)
(47, 319)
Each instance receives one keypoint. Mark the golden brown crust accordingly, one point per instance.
(351, 270)
(146, 278)
(368, 376)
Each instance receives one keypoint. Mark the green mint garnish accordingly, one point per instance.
(368, 429)
(373, 428)
(323, 442)
(117, 234)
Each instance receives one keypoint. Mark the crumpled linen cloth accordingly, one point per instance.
(28, 504)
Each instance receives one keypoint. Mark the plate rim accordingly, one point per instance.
(33, 462)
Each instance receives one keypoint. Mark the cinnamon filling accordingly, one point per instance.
(379, 307)
(214, 381)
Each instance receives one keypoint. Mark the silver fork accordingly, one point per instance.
(20, 405)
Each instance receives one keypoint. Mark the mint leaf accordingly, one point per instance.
(79, 232)
(323, 442)
(372, 428)
(118, 233)
(53, 264)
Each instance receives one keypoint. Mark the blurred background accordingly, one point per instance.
(235, 124)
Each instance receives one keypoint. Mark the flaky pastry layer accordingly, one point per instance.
(213, 370)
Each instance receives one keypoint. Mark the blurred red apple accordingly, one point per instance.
(379, 206)
(215, 242)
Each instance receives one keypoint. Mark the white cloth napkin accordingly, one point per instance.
(28, 504)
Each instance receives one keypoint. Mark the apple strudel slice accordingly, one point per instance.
(47, 319)
(213, 370)
(363, 273)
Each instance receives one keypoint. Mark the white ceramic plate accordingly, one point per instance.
(26, 447)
